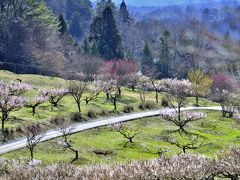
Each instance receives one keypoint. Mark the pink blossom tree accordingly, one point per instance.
(35, 102)
(224, 89)
(119, 71)
(54, 95)
(11, 99)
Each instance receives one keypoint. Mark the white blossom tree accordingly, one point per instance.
(185, 118)
(93, 91)
(178, 91)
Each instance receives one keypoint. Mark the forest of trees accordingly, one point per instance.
(64, 35)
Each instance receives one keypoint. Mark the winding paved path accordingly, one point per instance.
(51, 134)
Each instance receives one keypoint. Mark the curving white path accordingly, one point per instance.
(78, 127)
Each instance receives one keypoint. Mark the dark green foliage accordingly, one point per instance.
(164, 66)
(78, 14)
(74, 28)
(123, 13)
(147, 60)
(62, 27)
(102, 4)
(105, 36)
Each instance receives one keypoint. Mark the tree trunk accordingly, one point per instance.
(197, 100)
(115, 104)
(179, 113)
(3, 122)
(120, 91)
(33, 110)
(107, 95)
(156, 96)
(133, 88)
(31, 151)
(184, 150)
(79, 106)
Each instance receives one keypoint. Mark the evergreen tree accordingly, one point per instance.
(74, 28)
(62, 27)
(165, 55)
(123, 13)
(147, 60)
(105, 34)
(102, 4)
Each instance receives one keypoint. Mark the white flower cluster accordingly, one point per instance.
(182, 167)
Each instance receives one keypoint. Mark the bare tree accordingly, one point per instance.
(114, 95)
(143, 86)
(191, 143)
(93, 91)
(158, 150)
(128, 132)
(65, 130)
(76, 89)
(33, 134)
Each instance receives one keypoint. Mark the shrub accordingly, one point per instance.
(92, 113)
(20, 129)
(165, 101)
(147, 105)
(77, 117)
(103, 112)
(128, 109)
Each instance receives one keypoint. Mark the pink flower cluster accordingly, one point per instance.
(54, 92)
(10, 95)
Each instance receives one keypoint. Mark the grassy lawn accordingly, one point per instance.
(67, 105)
(216, 133)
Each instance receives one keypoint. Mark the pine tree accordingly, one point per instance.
(105, 34)
(102, 4)
(123, 13)
(62, 27)
(165, 55)
(74, 28)
(147, 60)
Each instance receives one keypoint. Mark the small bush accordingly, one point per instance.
(128, 109)
(165, 101)
(92, 113)
(20, 129)
(103, 112)
(147, 105)
(77, 117)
